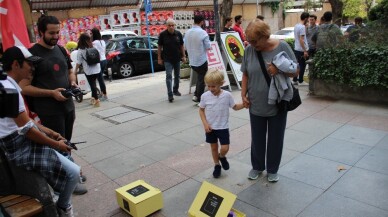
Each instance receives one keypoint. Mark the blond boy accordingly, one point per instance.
(214, 113)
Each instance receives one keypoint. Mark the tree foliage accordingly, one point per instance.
(379, 12)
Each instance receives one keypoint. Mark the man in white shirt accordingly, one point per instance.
(197, 42)
(301, 47)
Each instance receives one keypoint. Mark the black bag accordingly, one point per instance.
(283, 105)
(92, 56)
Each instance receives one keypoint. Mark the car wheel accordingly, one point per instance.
(126, 70)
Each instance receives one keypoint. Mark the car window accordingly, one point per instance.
(154, 43)
(106, 37)
(112, 45)
(119, 35)
(136, 43)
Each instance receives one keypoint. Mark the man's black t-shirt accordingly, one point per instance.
(51, 73)
(171, 43)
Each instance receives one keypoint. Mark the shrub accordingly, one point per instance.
(291, 42)
(356, 66)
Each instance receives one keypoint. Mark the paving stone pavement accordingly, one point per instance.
(138, 134)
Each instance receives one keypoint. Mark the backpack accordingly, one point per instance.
(326, 37)
(92, 56)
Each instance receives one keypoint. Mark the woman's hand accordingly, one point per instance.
(272, 70)
(245, 101)
(56, 136)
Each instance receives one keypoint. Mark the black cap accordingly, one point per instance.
(19, 53)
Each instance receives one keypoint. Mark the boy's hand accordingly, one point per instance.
(207, 127)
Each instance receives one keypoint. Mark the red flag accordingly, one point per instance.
(13, 25)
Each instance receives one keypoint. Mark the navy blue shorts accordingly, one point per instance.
(215, 135)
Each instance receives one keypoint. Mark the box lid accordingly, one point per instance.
(212, 201)
(138, 191)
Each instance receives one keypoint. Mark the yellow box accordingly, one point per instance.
(139, 199)
(213, 201)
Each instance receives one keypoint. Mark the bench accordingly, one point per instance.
(20, 188)
(18, 205)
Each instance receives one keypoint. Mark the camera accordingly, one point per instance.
(9, 99)
(73, 91)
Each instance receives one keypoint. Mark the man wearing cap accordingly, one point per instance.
(33, 146)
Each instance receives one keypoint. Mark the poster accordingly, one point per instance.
(105, 22)
(215, 62)
(234, 51)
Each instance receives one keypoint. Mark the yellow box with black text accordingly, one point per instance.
(139, 199)
(213, 201)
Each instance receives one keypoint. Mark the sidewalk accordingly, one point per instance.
(138, 134)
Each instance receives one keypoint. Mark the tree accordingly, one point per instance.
(225, 11)
(337, 7)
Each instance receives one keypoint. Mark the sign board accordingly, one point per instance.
(213, 201)
(234, 51)
(148, 6)
(215, 62)
(139, 199)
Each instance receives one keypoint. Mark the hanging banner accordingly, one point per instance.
(13, 31)
(234, 51)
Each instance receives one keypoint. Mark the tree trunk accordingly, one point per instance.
(225, 11)
(337, 8)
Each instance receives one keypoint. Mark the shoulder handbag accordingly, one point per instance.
(283, 105)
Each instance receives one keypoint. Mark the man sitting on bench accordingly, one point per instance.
(31, 146)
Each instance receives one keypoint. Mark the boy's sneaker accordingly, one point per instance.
(254, 174)
(68, 212)
(273, 177)
(224, 162)
(82, 179)
(177, 93)
(217, 171)
(295, 83)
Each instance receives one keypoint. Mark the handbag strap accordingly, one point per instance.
(263, 68)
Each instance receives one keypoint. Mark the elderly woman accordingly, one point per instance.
(268, 124)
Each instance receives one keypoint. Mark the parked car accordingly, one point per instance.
(106, 35)
(345, 27)
(130, 55)
(282, 34)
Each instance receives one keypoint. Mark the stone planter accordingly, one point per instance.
(339, 91)
(185, 73)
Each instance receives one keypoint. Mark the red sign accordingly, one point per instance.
(13, 31)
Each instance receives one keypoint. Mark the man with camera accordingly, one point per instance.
(30, 145)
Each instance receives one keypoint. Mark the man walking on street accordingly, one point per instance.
(197, 43)
(170, 53)
(301, 47)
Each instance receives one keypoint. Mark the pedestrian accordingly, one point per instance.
(214, 113)
(238, 28)
(329, 34)
(312, 29)
(197, 42)
(170, 53)
(51, 76)
(228, 25)
(33, 146)
(260, 17)
(100, 45)
(301, 47)
(91, 71)
(267, 123)
(354, 32)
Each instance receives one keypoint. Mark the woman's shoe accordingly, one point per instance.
(95, 102)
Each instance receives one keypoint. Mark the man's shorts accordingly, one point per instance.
(221, 135)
